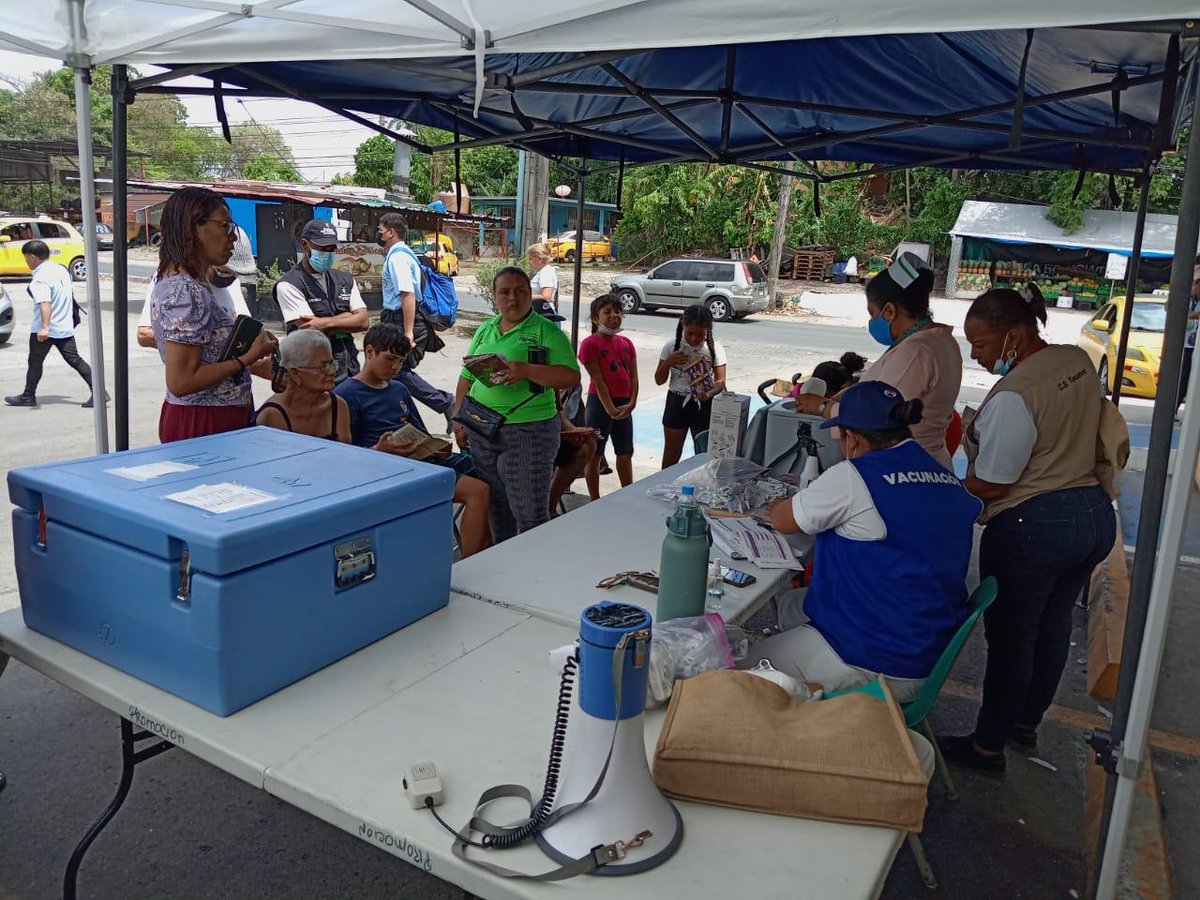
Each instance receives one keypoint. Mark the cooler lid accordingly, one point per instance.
(235, 500)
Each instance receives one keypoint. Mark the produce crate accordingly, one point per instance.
(810, 265)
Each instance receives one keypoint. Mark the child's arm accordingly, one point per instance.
(719, 377)
(633, 382)
(596, 373)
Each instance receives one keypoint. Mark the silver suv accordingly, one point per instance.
(729, 288)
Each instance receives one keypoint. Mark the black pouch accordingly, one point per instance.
(483, 420)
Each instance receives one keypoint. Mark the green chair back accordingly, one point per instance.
(700, 443)
(918, 708)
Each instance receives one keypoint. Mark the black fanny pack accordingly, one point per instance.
(483, 420)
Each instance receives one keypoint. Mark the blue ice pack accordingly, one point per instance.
(224, 568)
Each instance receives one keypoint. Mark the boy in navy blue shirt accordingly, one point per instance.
(379, 405)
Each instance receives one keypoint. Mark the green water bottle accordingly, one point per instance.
(683, 572)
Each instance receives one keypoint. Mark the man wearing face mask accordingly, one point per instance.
(893, 542)
(313, 294)
(1043, 450)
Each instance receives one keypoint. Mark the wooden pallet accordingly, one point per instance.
(810, 265)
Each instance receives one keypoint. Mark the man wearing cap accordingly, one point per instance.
(313, 294)
(894, 531)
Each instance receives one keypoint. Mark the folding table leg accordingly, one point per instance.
(130, 757)
(918, 852)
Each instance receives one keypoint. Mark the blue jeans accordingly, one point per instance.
(1042, 553)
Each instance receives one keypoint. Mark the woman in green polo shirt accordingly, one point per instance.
(518, 463)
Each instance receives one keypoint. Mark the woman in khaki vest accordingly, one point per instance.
(1033, 451)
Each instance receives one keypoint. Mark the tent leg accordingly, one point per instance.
(1131, 276)
(1154, 563)
(87, 205)
(120, 82)
(578, 282)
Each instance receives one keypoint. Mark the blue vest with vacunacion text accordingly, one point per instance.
(892, 605)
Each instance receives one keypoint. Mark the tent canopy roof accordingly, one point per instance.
(1110, 231)
(200, 31)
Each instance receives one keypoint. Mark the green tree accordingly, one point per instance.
(269, 167)
(373, 162)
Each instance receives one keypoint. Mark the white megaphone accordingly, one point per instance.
(608, 774)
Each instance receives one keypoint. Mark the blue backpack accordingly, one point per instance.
(438, 299)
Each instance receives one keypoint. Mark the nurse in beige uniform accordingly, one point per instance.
(923, 361)
(1040, 450)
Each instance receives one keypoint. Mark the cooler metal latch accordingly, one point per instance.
(183, 595)
(355, 562)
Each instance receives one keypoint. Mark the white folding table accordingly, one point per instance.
(552, 571)
(471, 689)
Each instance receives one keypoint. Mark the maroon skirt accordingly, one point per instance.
(178, 421)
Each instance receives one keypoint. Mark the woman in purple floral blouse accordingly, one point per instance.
(205, 395)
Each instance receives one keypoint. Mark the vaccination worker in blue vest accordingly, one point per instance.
(893, 541)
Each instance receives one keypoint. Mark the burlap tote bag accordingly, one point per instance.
(734, 739)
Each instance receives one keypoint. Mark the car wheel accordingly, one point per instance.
(155, 239)
(5, 336)
(630, 301)
(1104, 376)
(721, 309)
(78, 268)
(569, 256)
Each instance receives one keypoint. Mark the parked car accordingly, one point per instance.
(65, 243)
(731, 289)
(8, 318)
(446, 257)
(1101, 336)
(595, 246)
(104, 236)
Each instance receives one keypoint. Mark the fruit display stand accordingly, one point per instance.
(1088, 291)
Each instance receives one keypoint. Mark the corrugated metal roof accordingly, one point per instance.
(1103, 229)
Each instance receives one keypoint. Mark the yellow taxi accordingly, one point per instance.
(1101, 337)
(595, 246)
(65, 243)
(447, 259)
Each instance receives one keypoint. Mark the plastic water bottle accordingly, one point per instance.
(683, 571)
(812, 470)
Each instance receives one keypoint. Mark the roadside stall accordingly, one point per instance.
(1012, 244)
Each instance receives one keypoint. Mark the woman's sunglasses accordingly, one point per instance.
(230, 225)
(329, 367)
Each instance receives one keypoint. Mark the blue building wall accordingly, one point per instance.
(559, 219)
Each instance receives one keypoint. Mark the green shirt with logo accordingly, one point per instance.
(533, 330)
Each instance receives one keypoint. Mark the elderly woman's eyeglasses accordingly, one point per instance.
(230, 225)
(329, 367)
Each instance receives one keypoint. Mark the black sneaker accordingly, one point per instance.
(959, 750)
(90, 402)
(21, 400)
(605, 469)
(1023, 739)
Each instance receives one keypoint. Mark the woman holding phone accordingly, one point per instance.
(206, 394)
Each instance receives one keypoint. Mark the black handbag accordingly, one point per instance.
(483, 420)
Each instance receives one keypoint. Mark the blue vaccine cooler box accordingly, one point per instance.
(224, 568)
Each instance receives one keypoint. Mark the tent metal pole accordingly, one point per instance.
(620, 180)
(120, 95)
(1117, 755)
(1132, 752)
(727, 97)
(1131, 276)
(87, 206)
(578, 277)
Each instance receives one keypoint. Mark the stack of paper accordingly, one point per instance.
(744, 538)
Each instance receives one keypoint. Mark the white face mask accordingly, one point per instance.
(604, 329)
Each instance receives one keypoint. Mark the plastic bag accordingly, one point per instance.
(682, 648)
(732, 484)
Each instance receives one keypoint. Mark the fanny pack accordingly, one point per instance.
(483, 420)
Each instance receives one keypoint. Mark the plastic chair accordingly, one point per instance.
(700, 442)
(916, 711)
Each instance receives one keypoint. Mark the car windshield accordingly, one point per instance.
(1149, 316)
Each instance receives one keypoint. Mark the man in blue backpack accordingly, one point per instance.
(401, 296)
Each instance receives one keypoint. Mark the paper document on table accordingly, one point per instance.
(150, 471)
(745, 539)
(221, 498)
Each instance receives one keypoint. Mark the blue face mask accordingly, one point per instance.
(321, 260)
(881, 329)
(1003, 366)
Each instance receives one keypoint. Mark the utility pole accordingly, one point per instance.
(781, 217)
(533, 200)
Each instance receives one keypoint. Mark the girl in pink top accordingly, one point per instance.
(611, 363)
(923, 361)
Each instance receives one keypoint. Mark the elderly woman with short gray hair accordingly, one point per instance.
(304, 401)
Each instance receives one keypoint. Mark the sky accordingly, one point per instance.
(322, 142)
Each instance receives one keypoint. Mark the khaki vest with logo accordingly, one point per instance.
(1062, 392)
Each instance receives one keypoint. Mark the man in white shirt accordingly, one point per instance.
(53, 322)
(313, 294)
